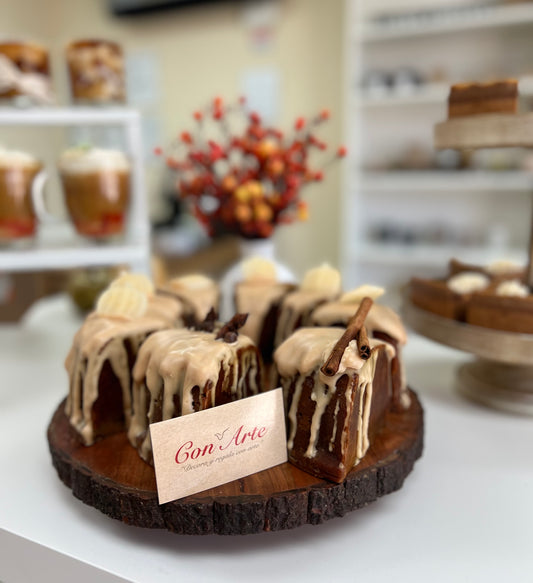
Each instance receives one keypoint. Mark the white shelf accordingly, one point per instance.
(455, 181)
(57, 116)
(426, 94)
(474, 18)
(57, 246)
(385, 254)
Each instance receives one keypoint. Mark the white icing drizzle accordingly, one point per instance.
(101, 339)
(380, 318)
(296, 306)
(255, 298)
(171, 363)
(301, 356)
(201, 292)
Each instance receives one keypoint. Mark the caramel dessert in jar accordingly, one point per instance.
(96, 70)
(17, 214)
(96, 184)
(28, 59)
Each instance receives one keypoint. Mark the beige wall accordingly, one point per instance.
(204, 51)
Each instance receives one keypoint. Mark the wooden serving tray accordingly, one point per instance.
(111, 477)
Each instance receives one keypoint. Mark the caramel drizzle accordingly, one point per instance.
(354, 330)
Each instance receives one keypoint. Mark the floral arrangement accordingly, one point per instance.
(249, 182)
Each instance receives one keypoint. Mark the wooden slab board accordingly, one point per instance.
(485, 131)
(111, 477)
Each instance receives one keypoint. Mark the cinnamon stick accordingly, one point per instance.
(331, 366)
(229, 331)
(208, 324)
(363, 346)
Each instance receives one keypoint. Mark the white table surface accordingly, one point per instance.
(464, 514)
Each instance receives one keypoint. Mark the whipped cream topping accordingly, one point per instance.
(502, 267)
(468, 282)
(88, 160)
(512, 287)
(10, 158)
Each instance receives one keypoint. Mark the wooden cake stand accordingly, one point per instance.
(502, 375)
(111, 477)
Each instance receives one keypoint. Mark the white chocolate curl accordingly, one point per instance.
(356, 295)
(324, 279)
(259, 269)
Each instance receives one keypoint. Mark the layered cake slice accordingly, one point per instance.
(319, 285)
(337, 387)
(382, 323)
(183, 371)
(199, 292)
(260, 295)
(103, 352)
(477, 98)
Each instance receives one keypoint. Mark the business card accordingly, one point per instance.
(212, 447)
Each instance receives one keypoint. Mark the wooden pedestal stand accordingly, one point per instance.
(111, 477)
(502, 375)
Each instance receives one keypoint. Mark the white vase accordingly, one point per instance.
(249, 248)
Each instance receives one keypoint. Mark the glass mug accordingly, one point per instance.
(96, 186)
(19, 195)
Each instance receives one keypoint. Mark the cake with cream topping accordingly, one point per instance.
(197, 291)
(491, 296)
(138, 360)
(104, 350)
(183, 371)
(382, 323)
(337, 387)
(319, 285)
(260, 295)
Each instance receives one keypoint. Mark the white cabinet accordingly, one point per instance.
(57, 246)
(406, 209)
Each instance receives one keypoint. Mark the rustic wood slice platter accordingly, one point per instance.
(111, 477)
(493, 130)
(502, 376)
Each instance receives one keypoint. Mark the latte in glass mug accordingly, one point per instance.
(96, 184)
(17, 213)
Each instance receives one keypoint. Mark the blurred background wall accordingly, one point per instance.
(287, 52)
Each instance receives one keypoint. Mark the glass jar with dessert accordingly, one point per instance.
(24, 73)
(96, 71)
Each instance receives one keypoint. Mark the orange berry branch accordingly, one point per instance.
(246, 183)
